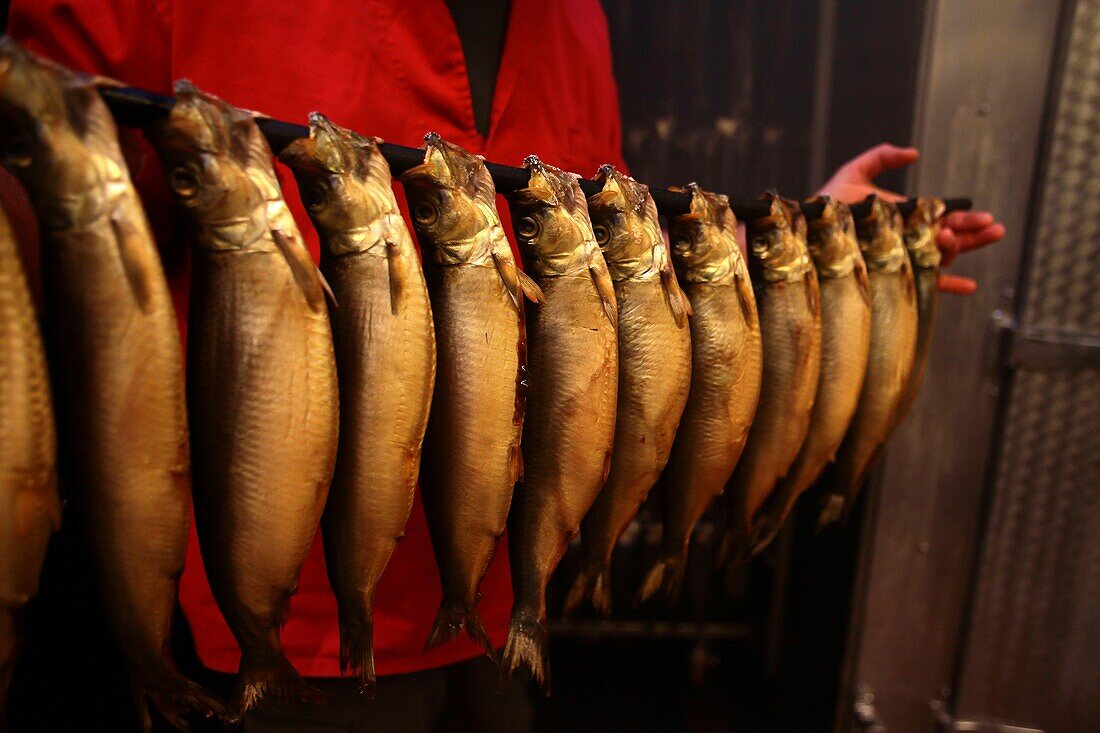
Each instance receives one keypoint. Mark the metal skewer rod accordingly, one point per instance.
(138, 108)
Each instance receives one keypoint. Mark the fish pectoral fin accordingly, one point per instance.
(813, 299)
(398, 276)
(307, 275)
(597, 268)
(747, 300)
(138, 260)
(517, 282)
(674, 294)
(864, 282)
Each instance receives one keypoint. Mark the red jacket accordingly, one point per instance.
(392, 68)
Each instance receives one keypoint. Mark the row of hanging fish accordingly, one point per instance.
(549, 399)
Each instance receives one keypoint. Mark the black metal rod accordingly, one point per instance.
(135, 107)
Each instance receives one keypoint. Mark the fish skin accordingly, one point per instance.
(30, 510)
(385, 359)
(890, 359)
(262, 385)
(790, 322)
(472, 457)
(921, 227)
(571, 407)
(726, 369)
(845, 342)
(654, 372)
(114, 355)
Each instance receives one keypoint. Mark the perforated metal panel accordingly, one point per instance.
(1032, 655)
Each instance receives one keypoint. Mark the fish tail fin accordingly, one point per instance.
(765, 528)
(667, 575)
(279, 681)
(451, 621)
(526, 647)
(833, 509)
(357, 653)
(593, 583)
(175, 697)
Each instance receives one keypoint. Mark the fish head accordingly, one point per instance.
(343, 181)
(777, 242)
(704, 241)
(880, 235)
(921, 227)
(550, 218)
(452, 199)
(831, 238)
(41, 126)
(202, 146)
(624, 222)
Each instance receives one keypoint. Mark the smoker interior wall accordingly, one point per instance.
(1034, 640)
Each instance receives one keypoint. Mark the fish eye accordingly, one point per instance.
(425, 213)
(527, 227)
(603, 234)
(681, 243)
(183, 181)
(314, 197)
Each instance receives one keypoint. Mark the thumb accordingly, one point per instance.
(883, 157)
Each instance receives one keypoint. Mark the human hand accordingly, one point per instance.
(960, 231)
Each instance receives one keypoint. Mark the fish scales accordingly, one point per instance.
(790, 322)
(385, 357)
(845, 340)
(29, 507)
(472, 454)
(726, 368)
(262, 386)
(654, 371)
(573, 354)
(890, 359)
(114, 351)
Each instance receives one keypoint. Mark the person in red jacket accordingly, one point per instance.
(503, 79)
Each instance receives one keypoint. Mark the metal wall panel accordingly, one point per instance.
(1034, 642)
(985, 74)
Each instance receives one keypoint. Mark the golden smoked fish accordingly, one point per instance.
(845, 340)
(571, 407)
(921, 228)
(29, 506)
(790, 321)
(472, 457)
(890, 361)
(654, 371)
(385, 359)
(726, 364)
(261, 382)
(114, 352)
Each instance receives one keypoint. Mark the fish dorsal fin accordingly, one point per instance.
(301, 265)
(516, 282)
(597, 268)
(398, 276)
(677, 300)
(139, 261)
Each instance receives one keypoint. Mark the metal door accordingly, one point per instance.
(978, 604)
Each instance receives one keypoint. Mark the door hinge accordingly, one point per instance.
(1043, 349)
(864, 714)
(948, 723)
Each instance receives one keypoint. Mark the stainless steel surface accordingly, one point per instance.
(1033, 645)
(984, 85)
(947, 723)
